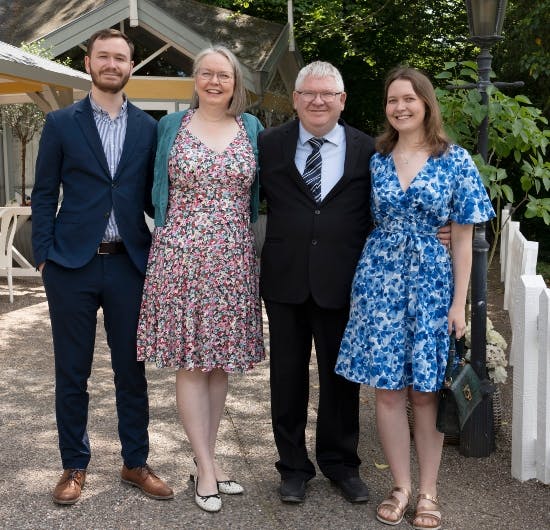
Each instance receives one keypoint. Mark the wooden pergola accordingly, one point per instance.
(25, 77)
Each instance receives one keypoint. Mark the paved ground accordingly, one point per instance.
(476, 493)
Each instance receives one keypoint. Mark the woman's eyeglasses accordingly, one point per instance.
(207, 75)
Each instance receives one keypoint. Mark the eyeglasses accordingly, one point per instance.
(327, 97)
(207, 75)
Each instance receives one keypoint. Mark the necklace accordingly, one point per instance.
(405, 159)
(411, 157)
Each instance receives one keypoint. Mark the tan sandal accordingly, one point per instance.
(393, 504)
(433, 515)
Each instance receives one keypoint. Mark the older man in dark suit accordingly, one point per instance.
(314, 173)
(93, 253)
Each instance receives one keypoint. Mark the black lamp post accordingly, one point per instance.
(485, 19)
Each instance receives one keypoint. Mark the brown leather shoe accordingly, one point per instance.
(67, 490)
(145, 479)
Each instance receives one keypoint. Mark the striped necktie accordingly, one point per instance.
(312, 171)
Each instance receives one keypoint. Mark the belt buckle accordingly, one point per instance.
(100, 252)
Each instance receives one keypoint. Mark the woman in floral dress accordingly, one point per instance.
(201, 311)
(408, 292)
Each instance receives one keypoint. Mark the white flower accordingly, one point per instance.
(498, 375)
(494, 337)
(496, 361)
(495, 356)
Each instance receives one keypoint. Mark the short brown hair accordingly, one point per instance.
(104, 34)
(435, 138)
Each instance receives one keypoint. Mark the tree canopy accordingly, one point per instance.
(367, 38)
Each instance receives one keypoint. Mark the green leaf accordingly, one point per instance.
(508, 192)
(470, 64)
(526, 184)
(468, 72)
(523, 99)
(531, 210)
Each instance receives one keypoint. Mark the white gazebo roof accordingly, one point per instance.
(25, 77)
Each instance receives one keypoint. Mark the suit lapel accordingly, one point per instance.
(288, 145)
(85, 119)
(132, 133)
(352, 151)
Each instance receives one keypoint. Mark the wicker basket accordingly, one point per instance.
(454, 439)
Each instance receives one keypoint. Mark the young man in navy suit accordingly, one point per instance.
(93, 253)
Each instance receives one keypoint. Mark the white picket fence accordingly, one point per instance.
(527, 300)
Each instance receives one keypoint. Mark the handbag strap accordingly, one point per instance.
(451, 359)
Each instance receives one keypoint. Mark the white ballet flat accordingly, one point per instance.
(230, 487)
(208, 503)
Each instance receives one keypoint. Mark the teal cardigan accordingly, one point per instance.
(167, 130)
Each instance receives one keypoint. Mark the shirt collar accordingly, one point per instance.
(334, 136)
(103, 113)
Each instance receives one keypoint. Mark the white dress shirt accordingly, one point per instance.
(333, 155)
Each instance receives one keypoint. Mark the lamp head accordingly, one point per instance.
(485, 20)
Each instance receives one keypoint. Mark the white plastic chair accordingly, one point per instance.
(8, 226)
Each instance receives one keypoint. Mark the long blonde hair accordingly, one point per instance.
(435, 138)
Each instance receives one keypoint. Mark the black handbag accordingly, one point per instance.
(461, 392)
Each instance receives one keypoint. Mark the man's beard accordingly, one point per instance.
(112, 88)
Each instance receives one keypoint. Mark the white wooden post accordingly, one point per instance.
(513, 228)
(543, 405)
(523, 260)
(524, 407)
(505, 220)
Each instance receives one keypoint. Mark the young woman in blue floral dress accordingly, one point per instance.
(409, 292)
(201, 311)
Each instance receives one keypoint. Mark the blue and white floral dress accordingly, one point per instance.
(402, 290)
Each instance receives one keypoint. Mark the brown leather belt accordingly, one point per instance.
(112, 247)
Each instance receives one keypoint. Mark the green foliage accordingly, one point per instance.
(38, 48)
(518, 141)
(25, 120)
(543, 268)
(524, 54)
(365, 39)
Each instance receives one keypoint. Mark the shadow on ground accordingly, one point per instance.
(476, 494)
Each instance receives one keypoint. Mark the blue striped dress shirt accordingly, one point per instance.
(112, 133)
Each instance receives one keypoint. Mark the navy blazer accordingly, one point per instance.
(71, 156)
(312, 249)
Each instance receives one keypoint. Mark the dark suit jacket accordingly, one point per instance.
(71, 155)
(312, 249)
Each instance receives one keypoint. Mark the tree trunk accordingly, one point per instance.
(23, 183)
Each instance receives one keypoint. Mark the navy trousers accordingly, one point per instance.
(113, 283)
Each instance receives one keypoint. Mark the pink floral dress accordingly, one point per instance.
(201, 305)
